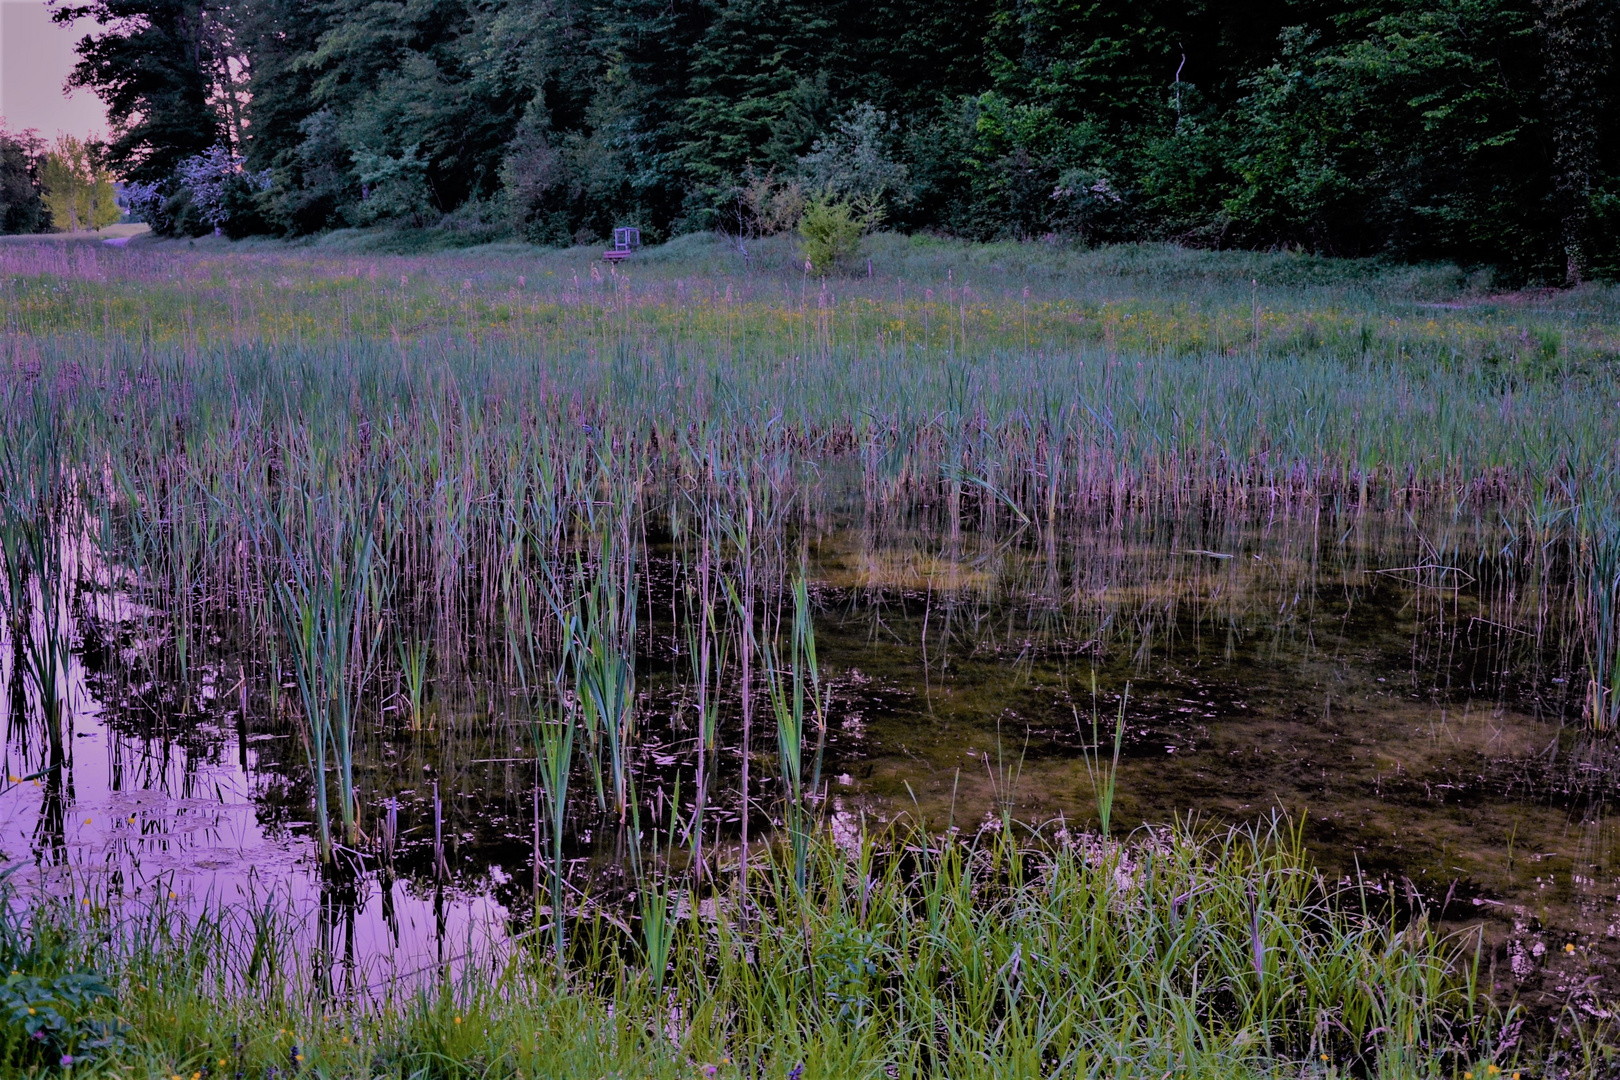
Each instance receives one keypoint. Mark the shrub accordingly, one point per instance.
(832, 228)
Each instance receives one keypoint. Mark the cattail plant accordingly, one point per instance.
(1599, 599)
(36, 572)
(603, 656)
(329, 602)
(788, 688)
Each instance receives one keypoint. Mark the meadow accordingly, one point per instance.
(741, 671)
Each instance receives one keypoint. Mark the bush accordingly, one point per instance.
(832, 228)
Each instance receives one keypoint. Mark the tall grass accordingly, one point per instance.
(1198, 954)
(525, 478)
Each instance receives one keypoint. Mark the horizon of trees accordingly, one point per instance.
(1480, 131)
(64, 186)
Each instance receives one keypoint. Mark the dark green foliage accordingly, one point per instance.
(54, 1010)
(50, 1021)
(1475, 130)
(21, 208)
(154, 65)
(1413, 136)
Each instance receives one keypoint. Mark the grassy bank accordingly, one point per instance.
(1194, 955)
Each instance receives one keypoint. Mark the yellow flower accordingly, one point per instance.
(1569, 947)
(196, 1076)
(1468, 1076)
(299, 1058)
(1325, 1057)
(222, 1063)
(30, 1012)
(458, 1019)
(1493, 1069)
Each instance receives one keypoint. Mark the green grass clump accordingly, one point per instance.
(1214, 954)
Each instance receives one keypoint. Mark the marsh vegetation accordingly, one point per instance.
(1004, 660)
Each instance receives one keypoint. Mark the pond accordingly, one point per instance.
(1405, 686)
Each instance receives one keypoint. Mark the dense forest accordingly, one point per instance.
(1476, 130)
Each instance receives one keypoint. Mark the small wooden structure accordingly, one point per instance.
(625, 243)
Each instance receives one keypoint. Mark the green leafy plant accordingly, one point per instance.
(52, 1021)
(832, 227)
(1103, 776)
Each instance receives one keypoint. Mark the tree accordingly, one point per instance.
(77, 188)
(22, 210)
(759, 89)
(1576, 48)
(1413, 136)
(155, 67)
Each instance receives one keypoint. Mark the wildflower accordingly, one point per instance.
(222, 1063)
(30, 1012)
(196, 1076)
(796, 1072)
(1326, 1058)
(1569, 947)
(709, 1070)
(1468, 1076)
(67, 1061)
(1492, 1070)
(458, 1019)
(87, 821)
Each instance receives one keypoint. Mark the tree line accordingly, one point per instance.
(1474, 130)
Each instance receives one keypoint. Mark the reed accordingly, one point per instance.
(413, 662)
(1104, 777)
(1600, 571)
(38, 578)
(324, 602)
(603, 657)
(788, 684)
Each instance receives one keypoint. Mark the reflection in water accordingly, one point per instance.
(1403, 685)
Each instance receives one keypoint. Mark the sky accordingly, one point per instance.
(36, 56)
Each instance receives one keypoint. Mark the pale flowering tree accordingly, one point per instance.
(209, 178)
